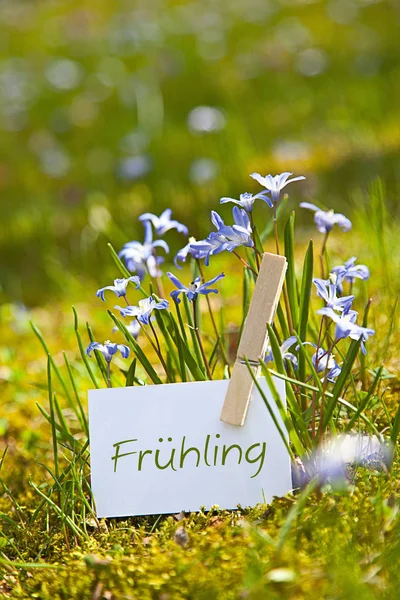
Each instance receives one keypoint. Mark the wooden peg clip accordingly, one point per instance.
(254, 338)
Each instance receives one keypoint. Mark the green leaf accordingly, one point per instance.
(305, 299)
(164, 323)
(98, 356)
(305, 295)
(195, 341)
(190, 361)
(341, 381)
(293, 406)
(365, 401)
(52, 415)
(122, 268)
(275, 395)
(247, 292)
(130, 376)
(312, 388)
(291, 282)
(294, 438)
(82, 351)
(282, 321)
(294, 512)
(53, 365)
(181, 324)
(81, 413)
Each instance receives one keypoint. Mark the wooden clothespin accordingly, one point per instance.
(254, 338)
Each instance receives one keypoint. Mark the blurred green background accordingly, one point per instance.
(110, 109)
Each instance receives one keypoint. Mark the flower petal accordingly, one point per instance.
(309, 206)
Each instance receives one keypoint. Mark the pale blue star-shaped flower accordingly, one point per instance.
(247, 200)
(108, 349)
(142, 258)
(286, 355)
(325, 220)
(226, 237)
(327, 290)
(347, 327)
(119, 287)
(190, 249)
(325, 362)
(350, 272)
(275, 184)
(133, 327)
(144, 309)
(163, 223)
(194, 289)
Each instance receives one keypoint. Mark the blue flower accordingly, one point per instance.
(274, 185)
(286, 356)
(194, 289)
(133, 328)
(325, 220)
(327, 290)
(163, 223)
(349, 272)
(226, 237)
(108, 349)
(142, 258)
(143, 311)
(247, 200)
(347, 327)
(119, 287)
(197, 252)
(325, 362)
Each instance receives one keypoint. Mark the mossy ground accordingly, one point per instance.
(340, 545)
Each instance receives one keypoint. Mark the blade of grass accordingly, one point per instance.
(294, 438)
(53, 364)
(291, 282)
(81, 412)
(282, 434)
(130, 376)
(305, 297)
(312, 388)
(364, 403)
(82, 351)
(341, 381)
(294, 512)
(98, 356)
(52, 418)
(298, 420)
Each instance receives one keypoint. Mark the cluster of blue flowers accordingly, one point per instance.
(142, 258)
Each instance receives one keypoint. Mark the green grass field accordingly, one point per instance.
(96, 127)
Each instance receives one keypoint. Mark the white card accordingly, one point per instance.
(163, 449)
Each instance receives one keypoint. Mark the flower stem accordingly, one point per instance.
(253, 235)
(196, 329)
(276, 230)
(109, 374)
(322, 254)
(155, 337)
(155, 347)
(220, 341)
(244, 262)
(159, 285)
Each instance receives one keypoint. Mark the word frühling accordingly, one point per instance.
(210, 454)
